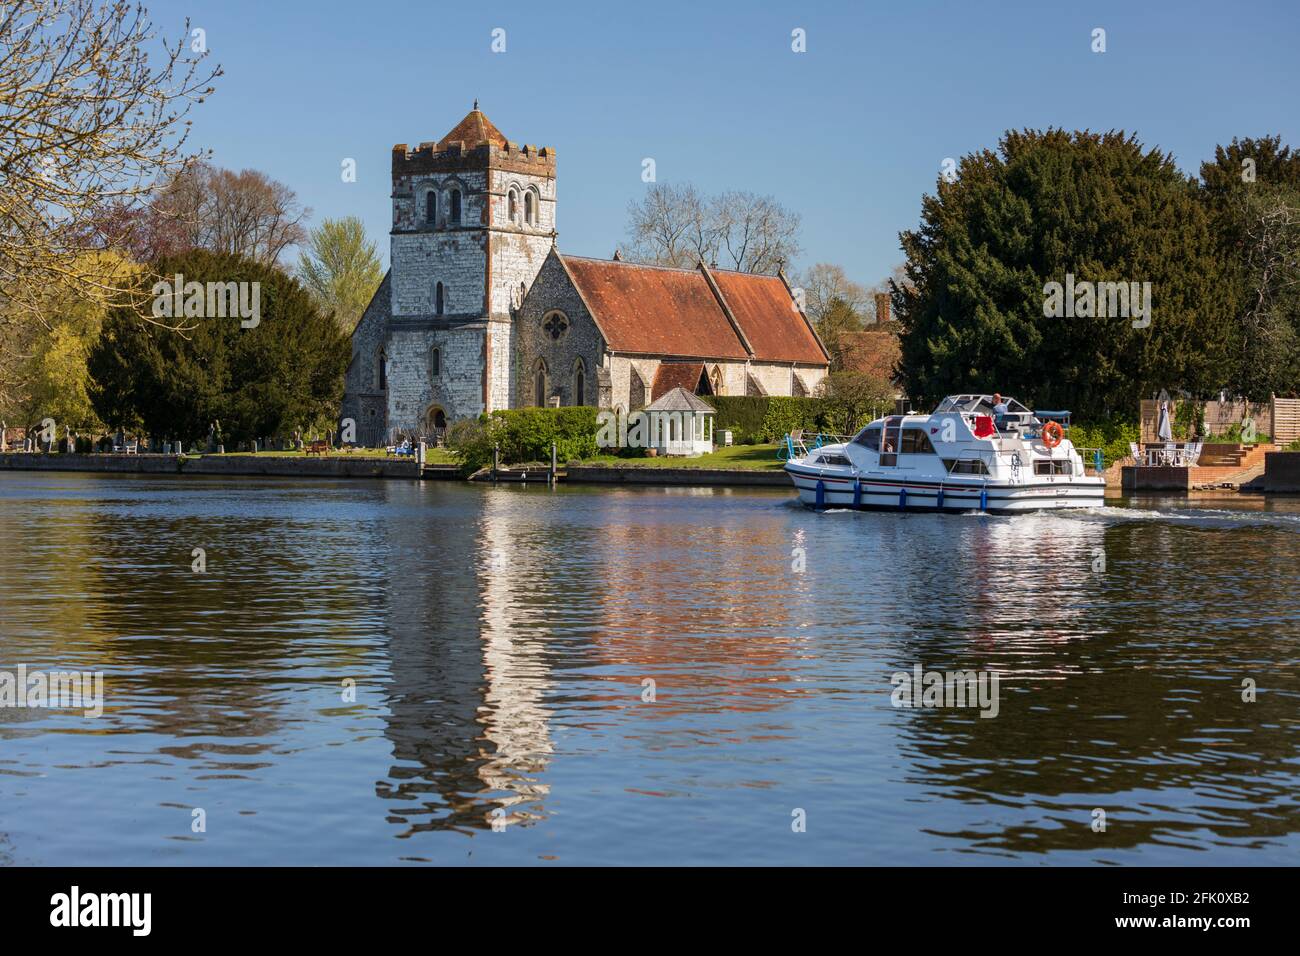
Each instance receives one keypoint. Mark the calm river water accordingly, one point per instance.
(384, 672)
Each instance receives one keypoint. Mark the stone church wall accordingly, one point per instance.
(363, 401)
(552, 290)
(413, 389)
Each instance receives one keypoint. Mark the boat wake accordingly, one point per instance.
(1105, 515)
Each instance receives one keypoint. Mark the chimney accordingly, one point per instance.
(882, 307)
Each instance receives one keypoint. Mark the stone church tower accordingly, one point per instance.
(473, 221)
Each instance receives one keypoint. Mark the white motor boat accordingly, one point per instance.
(961, 457)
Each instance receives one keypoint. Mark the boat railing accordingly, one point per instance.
(797, 446)
(793, 448)
(1092, 456)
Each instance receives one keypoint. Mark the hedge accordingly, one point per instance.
(1111, 436)
(753, 419)
(525, 435)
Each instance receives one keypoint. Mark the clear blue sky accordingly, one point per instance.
(850, 134)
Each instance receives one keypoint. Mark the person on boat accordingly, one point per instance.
(1000, 410)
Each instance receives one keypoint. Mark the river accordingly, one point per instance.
(374, 672)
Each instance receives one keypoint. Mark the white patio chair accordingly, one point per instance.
(1192, 453)
(1135, 450)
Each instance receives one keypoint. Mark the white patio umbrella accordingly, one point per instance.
(1163, 431)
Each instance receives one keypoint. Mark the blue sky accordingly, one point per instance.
(850, 134)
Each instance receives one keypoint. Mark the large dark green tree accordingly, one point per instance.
(1043, 205)
(178, 375)
(1252, 188)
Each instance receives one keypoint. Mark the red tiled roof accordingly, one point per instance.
(654, 311)
(671, 375)
(874, 352)
(474, 130)
(765, 312)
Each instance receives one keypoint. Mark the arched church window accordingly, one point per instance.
(438, 299)
(454, 215)
(435, 362)
(514, 206)
(383, 370)
(539, 384)
(431, 207)
(579, 383)
(530, 208)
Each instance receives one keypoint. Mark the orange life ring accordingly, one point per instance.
(1052, 434)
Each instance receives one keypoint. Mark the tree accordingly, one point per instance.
(89, 115)
(839, 320)
(341, 269)
(853, 399)
(1266, 221)
(52, 380)
(1252, 189)
(677, 226)
(1056, 207)
(755, 233)
(669, 227)
(140, 232)
(825, 284)
(244, 213)
(1270, 163)
(284, 372)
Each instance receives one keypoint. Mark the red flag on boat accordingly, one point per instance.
(984, 426)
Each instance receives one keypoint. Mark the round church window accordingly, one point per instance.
(555, 324)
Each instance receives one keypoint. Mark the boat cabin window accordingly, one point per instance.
(827, 458)
(889, 450)
(1056, 466)
(965, 466)
(916, 442)
(869, 438)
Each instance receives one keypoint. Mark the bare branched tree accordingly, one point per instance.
(92, 113)
(668, 227)
(823, 284)
(755, 233)
(246, 213)
(676, 226)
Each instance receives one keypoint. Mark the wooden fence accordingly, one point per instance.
(1286, 420)
(1279, 418)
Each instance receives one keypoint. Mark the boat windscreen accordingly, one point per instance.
(958, 403)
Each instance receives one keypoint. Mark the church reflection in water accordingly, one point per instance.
(467, 721)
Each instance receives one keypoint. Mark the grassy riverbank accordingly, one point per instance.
(743, 457)
(432, 456)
